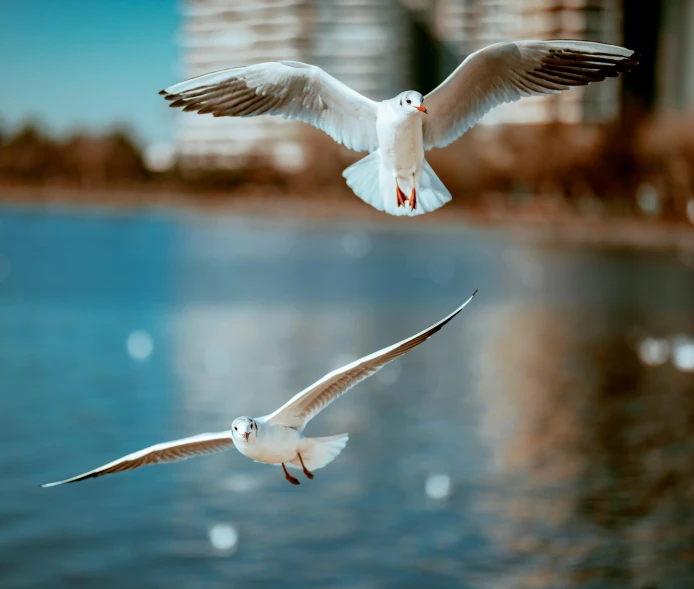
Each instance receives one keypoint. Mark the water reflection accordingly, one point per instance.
(544, 440)
(592, 453)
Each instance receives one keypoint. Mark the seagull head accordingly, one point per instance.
(244, 429)
(412, 101)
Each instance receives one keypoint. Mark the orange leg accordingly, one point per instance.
(400, 195)
(413, 197)
(307, 472)
(290, 478)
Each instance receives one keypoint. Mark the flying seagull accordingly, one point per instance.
(276, 438)
(395, 177)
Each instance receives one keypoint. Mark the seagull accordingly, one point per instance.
(276, 438)
(395, 177)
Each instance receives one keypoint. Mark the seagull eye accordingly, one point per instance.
(409, 101)
(236, 429)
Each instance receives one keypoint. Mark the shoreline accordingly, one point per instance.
(549, 226)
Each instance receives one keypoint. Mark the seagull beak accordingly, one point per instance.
(422, 108)
(246, 435)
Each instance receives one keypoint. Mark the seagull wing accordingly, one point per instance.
(160, 453)
(289, 89)
(506, 72)
(301, 408)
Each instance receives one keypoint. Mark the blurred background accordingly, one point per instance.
(162, 273)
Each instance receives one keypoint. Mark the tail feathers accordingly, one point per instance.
(363, 178)
(432, 193)
(319, 452)
(376, 187)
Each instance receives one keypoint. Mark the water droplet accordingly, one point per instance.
(223, 537)
(139, 345)
(438, 486)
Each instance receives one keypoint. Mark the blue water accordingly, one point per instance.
(562, 453)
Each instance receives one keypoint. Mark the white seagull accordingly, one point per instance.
(276, 438)
(398, 131)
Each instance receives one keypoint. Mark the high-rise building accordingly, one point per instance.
(350, 39)
(468, 25)
(672, 55)
(375, 47)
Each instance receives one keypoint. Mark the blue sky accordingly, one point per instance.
(89, 64)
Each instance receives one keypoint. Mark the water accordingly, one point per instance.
(544, 439)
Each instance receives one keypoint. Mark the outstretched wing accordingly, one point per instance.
(301, 408)
(289, 89)
(506, 72)
(160, 453)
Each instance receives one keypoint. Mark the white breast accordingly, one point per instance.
(273, 445)
(400, 139)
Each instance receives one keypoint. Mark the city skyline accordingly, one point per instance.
(89, 67)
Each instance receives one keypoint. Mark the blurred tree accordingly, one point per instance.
(125, 157)
(29, 156)
(88, 160)
(102, 160)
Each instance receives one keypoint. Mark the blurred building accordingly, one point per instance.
(381, 47)
(662, 31)
(346, 38)
(464, 26)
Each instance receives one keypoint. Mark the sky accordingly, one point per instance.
(89, 65)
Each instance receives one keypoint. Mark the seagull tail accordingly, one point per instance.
(319, 452)
(363, 178)
(376, 186)
(431, 193)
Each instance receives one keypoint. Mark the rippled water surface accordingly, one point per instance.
(544, 439)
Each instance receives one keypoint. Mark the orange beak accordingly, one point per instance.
(422, 108)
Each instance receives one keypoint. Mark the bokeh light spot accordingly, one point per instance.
(140, 345)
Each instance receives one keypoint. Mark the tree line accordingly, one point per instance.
(636, 166)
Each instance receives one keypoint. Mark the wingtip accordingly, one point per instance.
(162, 92)
(46, 485)
(459, 309)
